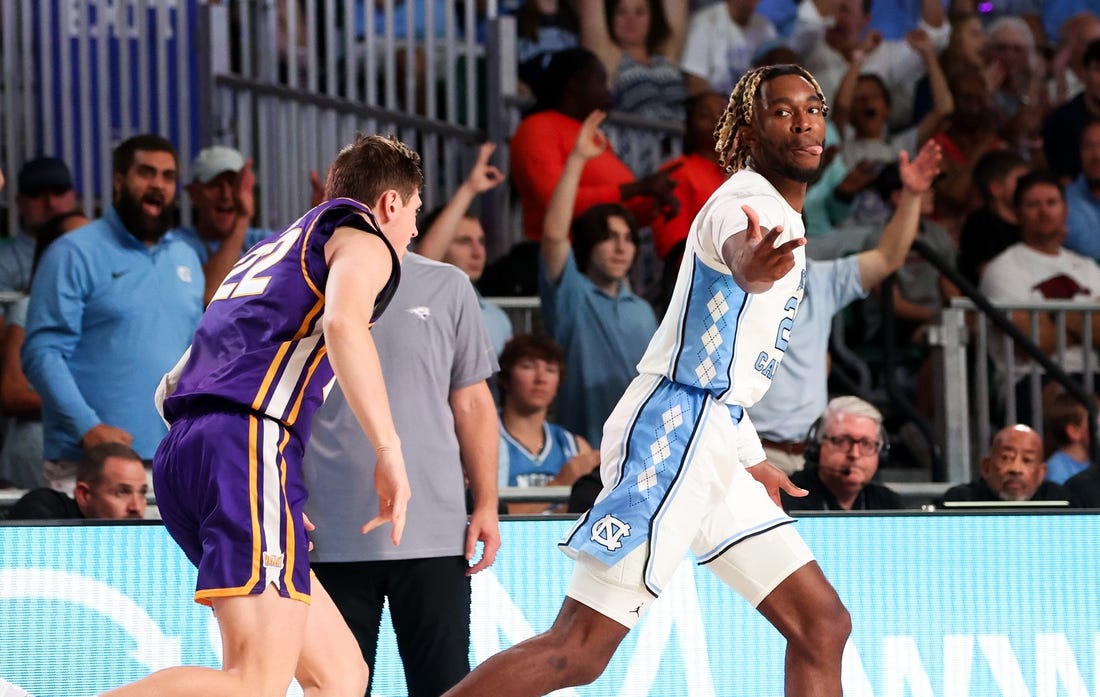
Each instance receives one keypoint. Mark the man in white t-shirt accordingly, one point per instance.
(1039, 268)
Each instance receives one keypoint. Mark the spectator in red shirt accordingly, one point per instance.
(575, 85)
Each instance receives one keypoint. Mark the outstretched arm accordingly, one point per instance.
(752, 257)
(359, 267)
(591, 141)
(916, 178)
(482, 177)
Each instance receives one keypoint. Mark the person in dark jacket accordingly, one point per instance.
(110, 485)
(1084, 488)
(843, 451)
(1012, 471)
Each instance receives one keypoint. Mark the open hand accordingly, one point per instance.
(917, 176)
(768, 263)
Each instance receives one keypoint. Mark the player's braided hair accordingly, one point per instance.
(733, 153)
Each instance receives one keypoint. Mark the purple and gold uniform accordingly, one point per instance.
(240, 403)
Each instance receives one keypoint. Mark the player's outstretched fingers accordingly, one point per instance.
(397, 517)
(753, 230)
(789, 246)
(769, 240)
(373, 523)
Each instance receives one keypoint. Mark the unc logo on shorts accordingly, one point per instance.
(607, 531)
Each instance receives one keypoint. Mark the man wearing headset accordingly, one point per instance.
(842, 455)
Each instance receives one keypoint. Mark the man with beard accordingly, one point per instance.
(44, 189)
(682, 465)
(1012, 471)
(112, 307)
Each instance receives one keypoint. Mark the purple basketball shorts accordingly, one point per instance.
(229, 489)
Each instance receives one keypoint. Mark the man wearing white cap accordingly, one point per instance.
(221, 193)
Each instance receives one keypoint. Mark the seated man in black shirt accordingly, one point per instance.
(1084, 488)
(1012, 471)
(842, 454)
(110, 484)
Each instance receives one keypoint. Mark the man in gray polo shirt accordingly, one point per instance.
(436, 356)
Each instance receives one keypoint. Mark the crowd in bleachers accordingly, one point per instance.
(1012, 103)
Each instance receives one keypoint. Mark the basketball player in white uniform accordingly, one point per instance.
(682, 466)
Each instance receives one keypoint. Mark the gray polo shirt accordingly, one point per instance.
(431, 340)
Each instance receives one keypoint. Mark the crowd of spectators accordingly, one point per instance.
(1007, 108)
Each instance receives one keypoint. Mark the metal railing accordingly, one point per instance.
(77, 78)
(289, 132)
(968, 402)
(525, 313)
(285, 81)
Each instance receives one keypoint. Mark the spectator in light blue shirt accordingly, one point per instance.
(1083, 198)
(587, 304)
(1066, 432)
(112, 307)
(799, 391)
(221, 192)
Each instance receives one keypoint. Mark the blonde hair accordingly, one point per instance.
(733, 152)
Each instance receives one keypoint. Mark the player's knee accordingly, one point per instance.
(576, 658)
(348, 679)
(588, 669)
(825, 632)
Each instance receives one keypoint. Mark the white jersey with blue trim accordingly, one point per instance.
(715, 336)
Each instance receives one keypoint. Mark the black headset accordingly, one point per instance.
(811, 448)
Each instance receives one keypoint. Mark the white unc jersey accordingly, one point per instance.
(715, 336)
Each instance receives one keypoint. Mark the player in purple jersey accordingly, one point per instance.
(291, 314)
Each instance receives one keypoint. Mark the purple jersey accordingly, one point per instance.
(259, 346)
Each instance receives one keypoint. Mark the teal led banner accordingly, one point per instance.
(942, 606)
